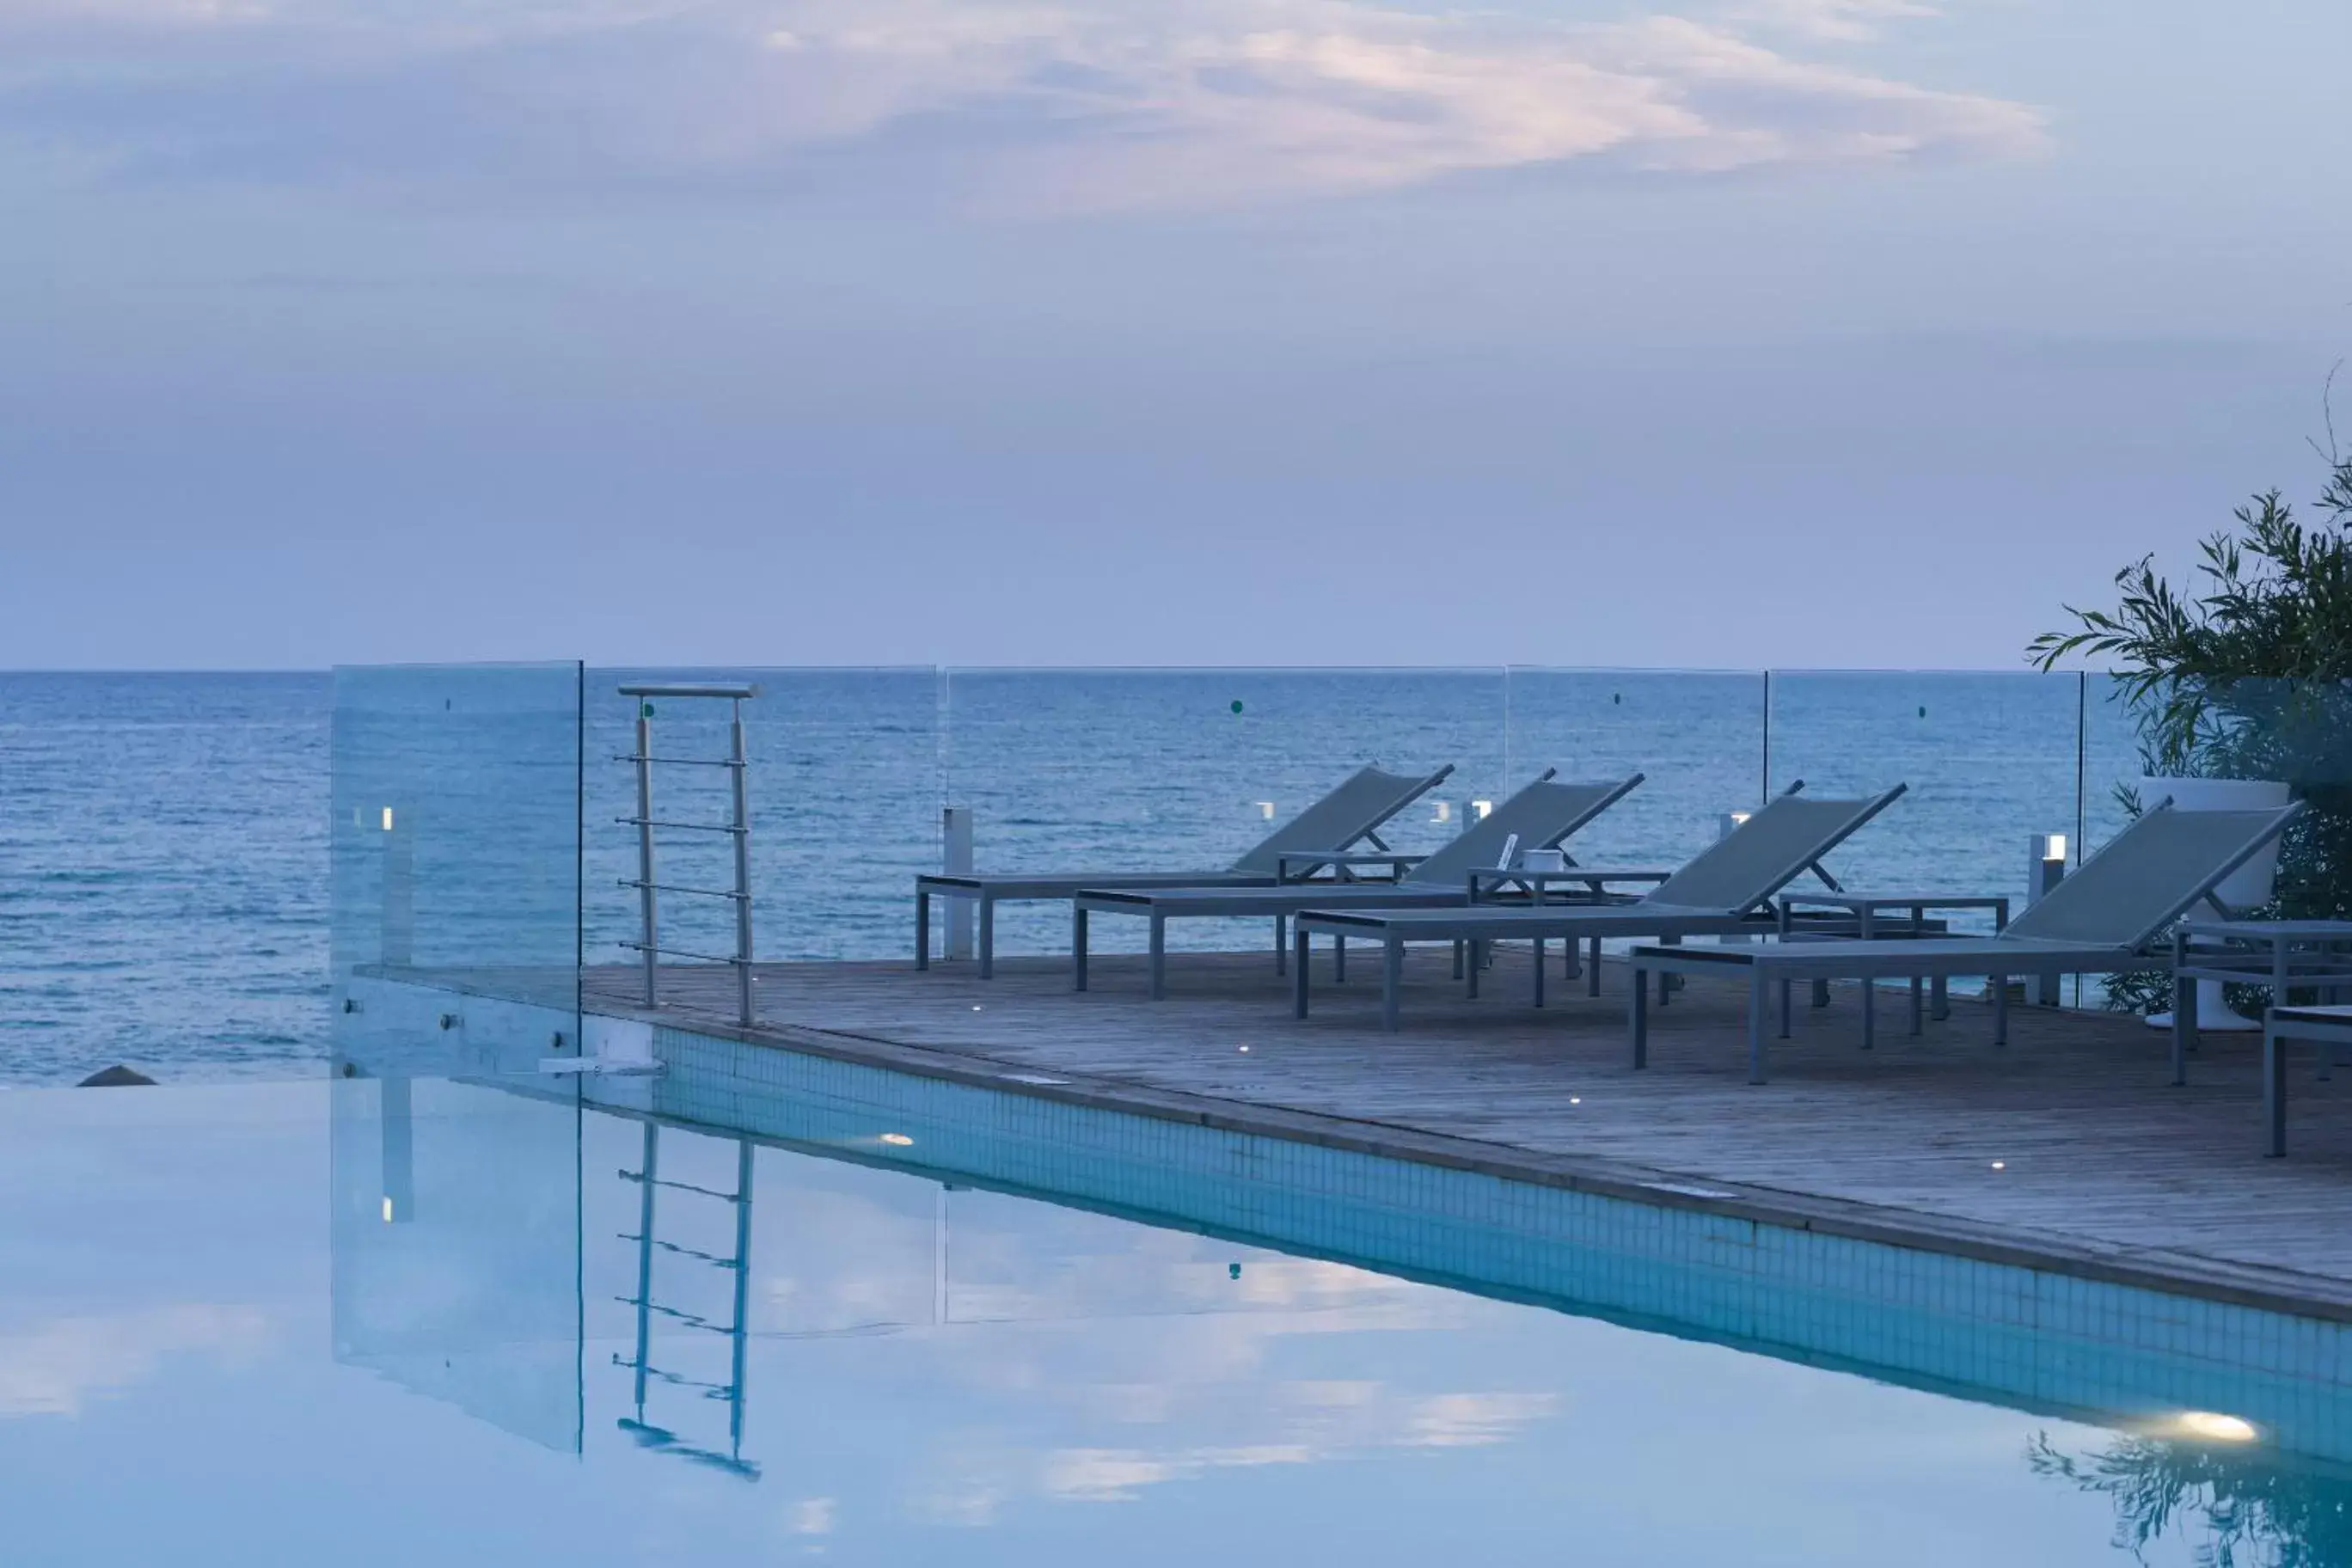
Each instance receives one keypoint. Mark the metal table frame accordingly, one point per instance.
(1594, 882)
(1865, 908)
(2284, 955)
(2327, 1026)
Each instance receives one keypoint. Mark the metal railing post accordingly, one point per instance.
(645, 845)
(742, 872)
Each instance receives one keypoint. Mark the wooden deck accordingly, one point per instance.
(2067, 1149)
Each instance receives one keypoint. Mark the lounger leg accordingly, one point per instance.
(2273, 1090)
(2184, 1028)
(1592, 974)
(1159, 957)
(1470, 975)
(1568, 964)
(1786, 987)
(1637, 1018)
(1756, 1003)
(1918, 1009)
(1820, 992)
(1391, 981)
(1298, 968)
(987, 937)
(1540, 952)
(2001, 1009)
(922, 929)
(1281, 944)
(1666, 981)
(1458, 964)
(1338, 958)
(1077, 947)
(1939, 999)
(1869, 1013)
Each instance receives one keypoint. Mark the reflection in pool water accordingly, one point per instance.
(762, 1351)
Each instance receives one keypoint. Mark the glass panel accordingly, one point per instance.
(1697, 736)
(1182, 770)
(455, 932)
(1991, 760)
(843, 793)
(456, 826)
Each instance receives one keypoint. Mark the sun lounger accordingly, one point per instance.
(2103, 919)
(1352, 814)
(1727, 889)
(1541, 817)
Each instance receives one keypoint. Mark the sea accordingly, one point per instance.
(179, 860)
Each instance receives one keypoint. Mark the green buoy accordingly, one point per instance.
(1237, 704)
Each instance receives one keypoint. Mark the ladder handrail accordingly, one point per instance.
(739, 829)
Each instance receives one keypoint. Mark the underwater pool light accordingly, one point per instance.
(897, 1140)
(2213, 1427)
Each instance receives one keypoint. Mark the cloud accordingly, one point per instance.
(57, 1368)
(1027, 104)
(1842, 21)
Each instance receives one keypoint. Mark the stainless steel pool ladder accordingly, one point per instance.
(740, 1264)
(648, 945)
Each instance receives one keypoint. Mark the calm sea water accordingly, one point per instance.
(165, 897)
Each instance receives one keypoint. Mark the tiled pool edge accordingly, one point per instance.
(2015, 1333)
(2000, 1318)
(2169, 1272)
(2267, 1289)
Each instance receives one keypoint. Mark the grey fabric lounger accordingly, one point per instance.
(1724, 890)
(1352, 814)
(1541, 817)
(2103, 920)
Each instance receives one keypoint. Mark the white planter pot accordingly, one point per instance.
(2243, 889)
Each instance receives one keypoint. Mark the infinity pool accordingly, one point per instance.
(372, 1321)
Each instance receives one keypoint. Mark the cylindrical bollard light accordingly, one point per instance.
(2045, 869)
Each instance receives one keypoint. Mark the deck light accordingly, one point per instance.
(2214, 1428)
(1576, 1099)
(1483, 807)
(897, 1140)
(387, 1208)
(2000, 1165)
(1444, 811)
(1266, 809)
(1245, 1050)
(2051, 846)
(387, 819)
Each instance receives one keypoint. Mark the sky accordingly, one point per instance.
(1707, 333)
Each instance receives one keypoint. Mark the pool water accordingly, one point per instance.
(302, 1323)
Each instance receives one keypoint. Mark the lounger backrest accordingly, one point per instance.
(1364, 800)
(2149, 875)
(1767, 852)
(1541, 815)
